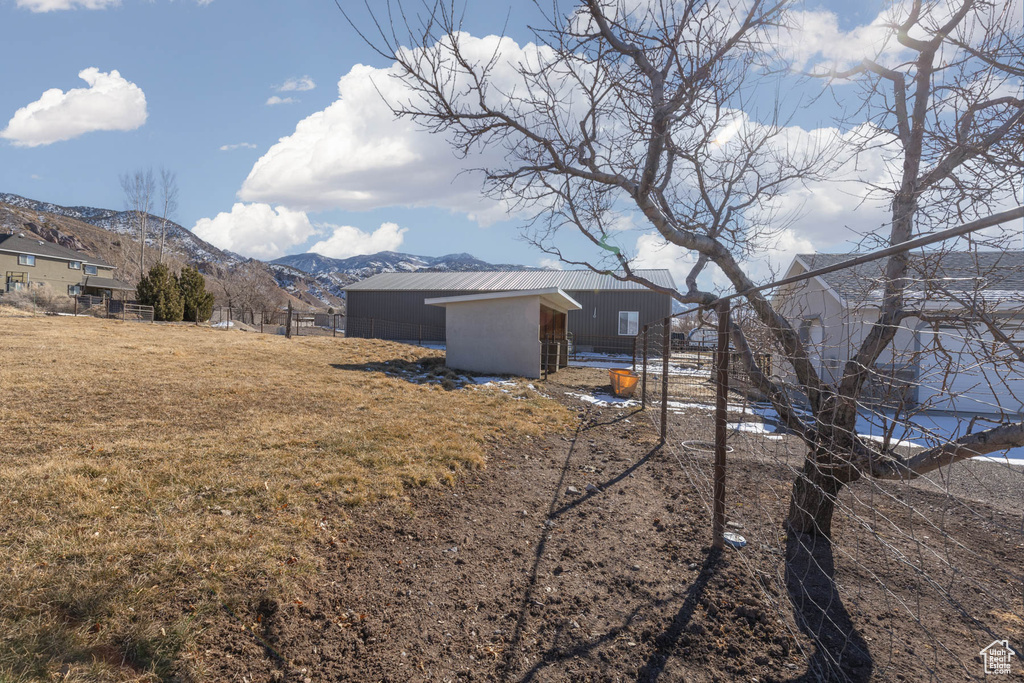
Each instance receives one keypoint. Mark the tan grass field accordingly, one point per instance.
(152, 474)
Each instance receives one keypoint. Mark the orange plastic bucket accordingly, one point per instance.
(623, 382)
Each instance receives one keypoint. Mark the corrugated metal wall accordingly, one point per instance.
(599, 316)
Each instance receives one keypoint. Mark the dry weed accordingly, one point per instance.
(153, 474)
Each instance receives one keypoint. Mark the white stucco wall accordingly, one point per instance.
(500, 336)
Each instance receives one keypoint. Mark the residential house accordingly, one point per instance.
(28, 262)
(944, 356)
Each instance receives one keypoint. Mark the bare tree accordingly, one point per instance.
(169, 200)
(139, 194)
(635, 111)
(249, 287)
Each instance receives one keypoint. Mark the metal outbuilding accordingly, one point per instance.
(611, 312)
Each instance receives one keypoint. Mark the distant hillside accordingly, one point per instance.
(361, 267)
(310, 279)
(112, 235)
(179, 240)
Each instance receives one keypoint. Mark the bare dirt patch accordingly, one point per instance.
(520, 573)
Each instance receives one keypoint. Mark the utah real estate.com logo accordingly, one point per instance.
(997, 657)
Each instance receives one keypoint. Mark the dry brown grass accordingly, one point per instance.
(152, 474)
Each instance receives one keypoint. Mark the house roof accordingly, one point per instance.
(553, 297)
(992, 274)
(107, 283)
(17, 244)
(499, 281)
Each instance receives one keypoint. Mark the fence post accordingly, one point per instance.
(667, 326)
(421, 335)
(721, 414)
(288, 323)
(634, 353)
(371, 329)
(76, 306)
(106, 306)
(643, 385)
(334, 319)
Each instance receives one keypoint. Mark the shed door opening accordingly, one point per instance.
(554, 344)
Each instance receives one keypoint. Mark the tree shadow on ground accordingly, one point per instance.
(841, 654)
(667, 640)
(558, 653)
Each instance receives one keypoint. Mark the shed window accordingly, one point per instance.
(26, 260)
(90, 270)
(629, 323)
(74, 290)
(75, 265)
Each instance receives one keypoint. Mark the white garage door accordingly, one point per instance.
(969, 372)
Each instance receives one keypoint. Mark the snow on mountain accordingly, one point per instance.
(361, 267)
(313, 278)
(123, 222)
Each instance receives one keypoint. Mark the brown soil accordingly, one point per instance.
(519, 573)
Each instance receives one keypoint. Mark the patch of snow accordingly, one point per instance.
(678, 406)
(223, 325)
(921, 431)
(494, 381)
(605, 400)
(626, 362)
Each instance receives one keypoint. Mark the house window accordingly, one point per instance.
(74, 290)
(26, 260)
(90, 270)
(75, 265)
(629, 323)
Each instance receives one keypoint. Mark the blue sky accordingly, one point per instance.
(207, 69)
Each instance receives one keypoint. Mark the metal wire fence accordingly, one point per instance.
(105, 307)
(907, 570)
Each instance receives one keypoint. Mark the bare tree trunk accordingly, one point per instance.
(169, 193)
(813, 501)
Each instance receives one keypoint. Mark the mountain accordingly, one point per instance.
(178, 239)
(310, 279)
(361, 267)
(112, 235)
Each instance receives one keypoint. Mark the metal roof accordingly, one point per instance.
(506, 280)
(553, 297)
(959, 271)
(17, 244)
(107, 283)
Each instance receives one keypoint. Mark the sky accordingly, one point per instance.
(269, 113)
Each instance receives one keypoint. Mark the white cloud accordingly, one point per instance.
(817, 37)
(837, 211)
(346, 241)
(240, 145)
(551, 263)
(109, 103)
(54, 5)
(256, 230)
(652, 251)
(59, 5)
(356, 155)
(274, 99)
(301, 84)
